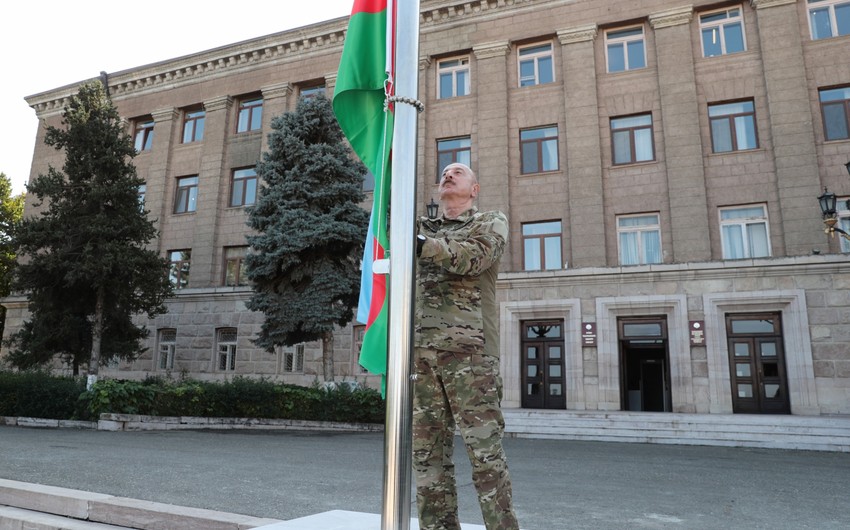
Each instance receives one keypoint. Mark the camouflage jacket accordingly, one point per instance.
(456, 282)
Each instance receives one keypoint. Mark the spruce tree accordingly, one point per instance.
(11, 211)
(310, 230)
(87, 269)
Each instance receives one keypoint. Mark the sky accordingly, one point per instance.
(47, 44)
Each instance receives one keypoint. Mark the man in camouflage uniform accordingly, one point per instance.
(456, 360)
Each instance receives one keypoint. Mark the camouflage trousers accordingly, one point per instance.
(463, 390)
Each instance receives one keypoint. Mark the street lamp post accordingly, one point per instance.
(433, 208)
(830, 216)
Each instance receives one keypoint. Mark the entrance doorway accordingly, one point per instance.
(644, 364)
(543, 377)
(757, 364)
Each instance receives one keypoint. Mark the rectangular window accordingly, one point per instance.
(313, 91)
(639, 239)
(535, 65)
(243, 187)
(453, 78)
(451, 150)
(186, 198)
(744, 233)
(178, 267)
(722, 32)
(843, 220)
(631, 139)
(733, 126)
(142, 190)
(143, 137)
(193, 125)
(368, 181)
(357, 343)
(541, 245)
(234, 266)
(250, 115)
(538, 149)
(293, 359)
(167, 347)
(226, 346)
(829, 18)
(625, 50)
(835, 108)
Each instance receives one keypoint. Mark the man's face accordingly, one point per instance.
(458, 183)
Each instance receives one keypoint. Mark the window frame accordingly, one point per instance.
(845, 106)
(245, 182)
(721, 24)
(179, 270)
(843, 215)
(239, 265)
(535, 58)
(624, 42)
(833, 20)
(541, 246)
(730, 120)
(632, 140)
(539, 149)
(293, 358)
(196, 118)
(311, 91)
(640, 230)
(358, 331)
(454, 152)
(186, 195)
(145, 128)
(745, 223)
(167, 362)
(230, 349)
(248, 107)
(141, 193)
(462, 66)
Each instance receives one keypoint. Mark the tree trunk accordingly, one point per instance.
(96, 337)
(328, 356)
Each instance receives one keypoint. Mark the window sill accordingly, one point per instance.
(540, 173)
(183, 213)
(738, 152)
(628, 165)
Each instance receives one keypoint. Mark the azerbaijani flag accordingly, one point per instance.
(363, 81)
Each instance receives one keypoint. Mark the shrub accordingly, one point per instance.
(38, 394)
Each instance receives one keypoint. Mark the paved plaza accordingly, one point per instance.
(557, 484)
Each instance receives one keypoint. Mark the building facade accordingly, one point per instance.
(659, 164)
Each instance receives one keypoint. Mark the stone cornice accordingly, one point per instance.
(168, 114)
(761, 4)
(424, 63)
(672, 17)
(578, 34)
(491, 49)
(448, 11)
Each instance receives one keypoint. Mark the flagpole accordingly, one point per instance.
(398, 434)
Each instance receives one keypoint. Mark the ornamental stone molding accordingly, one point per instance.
(161, 115)
(672, 17)
(578, 34)
(761, 4)
(424, 63)
(491, 49)
(281, 90)
(330, 81)
(218, 103)
(447, 12)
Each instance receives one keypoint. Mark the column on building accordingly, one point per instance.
(275, 102)
(212, 182)
(791, 122)
(330, 85)
(425, 185)
(584, 150)
(492, 129)
(682, 139)
(157, 178)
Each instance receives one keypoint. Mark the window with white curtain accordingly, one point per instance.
(744, 233)
(639, 239)
(631, 139)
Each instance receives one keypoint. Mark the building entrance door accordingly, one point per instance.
(543, 378)
(644, 374)
(757, 364)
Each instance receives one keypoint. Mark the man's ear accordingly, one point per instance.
(475, 188)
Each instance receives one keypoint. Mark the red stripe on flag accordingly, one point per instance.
(379, 288)
(368, 6)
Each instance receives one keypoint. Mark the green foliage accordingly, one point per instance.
(11, 211)
(239, 398)
(88, 243)
(38, 394)
(310, 228)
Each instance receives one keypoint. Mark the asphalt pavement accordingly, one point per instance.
(558, 485)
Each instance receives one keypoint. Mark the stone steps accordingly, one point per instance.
(815, 433)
